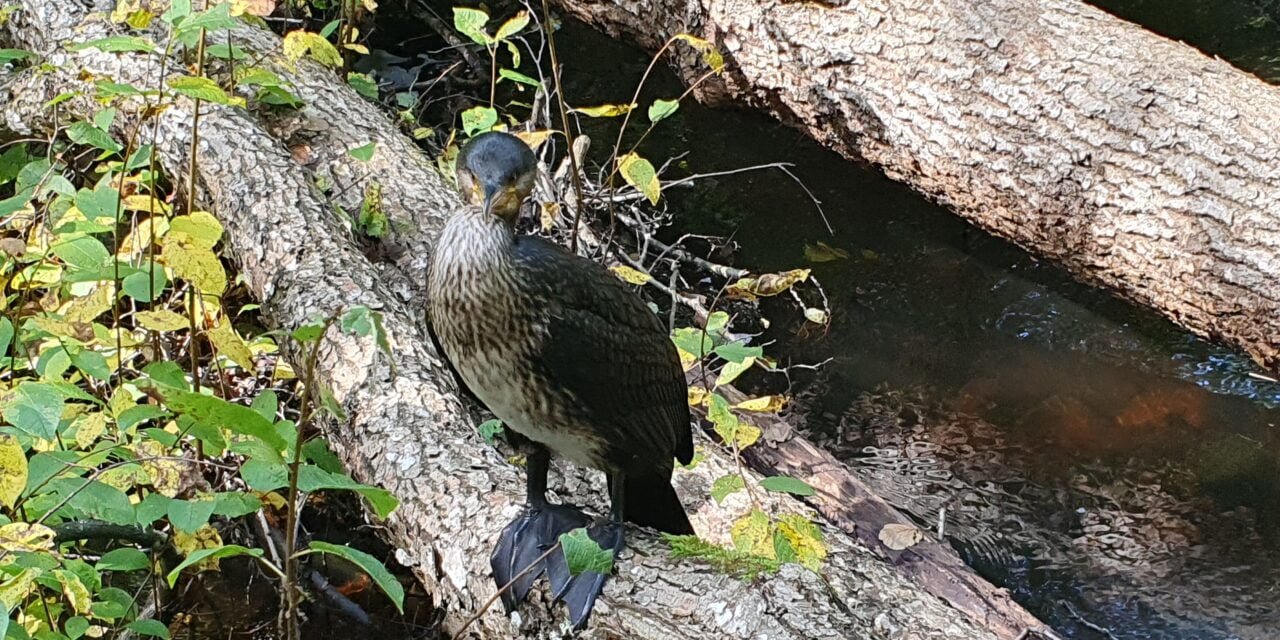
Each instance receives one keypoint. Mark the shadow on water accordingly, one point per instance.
(1117, 474)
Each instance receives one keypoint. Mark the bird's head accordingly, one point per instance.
(496, 171)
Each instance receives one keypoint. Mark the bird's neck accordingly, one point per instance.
(474, 239)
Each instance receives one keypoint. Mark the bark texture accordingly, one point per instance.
(408, 430)
(1136, 162)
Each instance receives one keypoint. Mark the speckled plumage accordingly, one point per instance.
(558, 348)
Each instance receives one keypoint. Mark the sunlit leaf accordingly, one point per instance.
(75, 591)
(301, 43)
(697, 395)
(202, 88)
(725, 486)
(512, 26)
(639, 173)
(197, 265)
(260, 8)
(605, 110)
(13, 470)
(89, 427)
(161, 320)
(816, 316)
(363, 153)
(582, 553)
(230, 344)
(26, 536)
(519, 78)
(16, 589)
(710, 55)
(478, 120)
(750, 534)
(763, 404)
(768, 284)
(627, 274)
(200, 228)
(662, 108)
(370, 565)
(470, 23)
(786, 484)
(731, 370)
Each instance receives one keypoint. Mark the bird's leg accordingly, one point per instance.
(579, 592)
(515, 559)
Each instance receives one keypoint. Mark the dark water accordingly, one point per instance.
(1144, 462)
(1119, 476)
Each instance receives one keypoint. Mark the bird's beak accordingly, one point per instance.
(489, 197)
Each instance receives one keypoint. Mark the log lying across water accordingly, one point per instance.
(409, 431)
(1137, 163)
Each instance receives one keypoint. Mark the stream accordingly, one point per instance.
(1118, 475)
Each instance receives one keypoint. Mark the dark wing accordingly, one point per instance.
(611, 351)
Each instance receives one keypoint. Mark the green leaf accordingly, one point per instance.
(470, 23)
(512, 26)
(478, 120)
(216, 18)
(220, 413)
(582, 553)
(309, 332)
(189, 515)
(202, 88)
(263, 475)
(117, 44)
(153, 507)
(87, 134)
(149, 627)
(369, 565)
(139, 285)
(662, 108)
(234, 504)
(126, 559)
(225, 52)
(516, 76)
(787, 484)
(10, 55)
(98, 203)
(357, 320)
(751, 534)
(95, 499)
(266, 404)
(639, 173)
(738, 351)
(363, 153)
(76, 627)
(317, 451)
(35, 408)
(313, 478)
(217, 553)
(489, 429)
(725, 486)
(364, 85)
(137, 414)
(91, 363)
(692, 340)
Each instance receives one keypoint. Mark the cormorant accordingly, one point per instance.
(567, 356)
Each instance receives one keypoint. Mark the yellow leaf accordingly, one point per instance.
(89, 428)
(26, 536)
(119, 401)
(816, 316)
(195, 264)
(231, 345)
(37, 276)
(272, 499)
(76, 592)
(206, 537)
(164, 474)
(550, 211)
(710, 55)
(697, 395)
(16, 589)
(199, 229)
(640, 174)
(145, 203)
(260, 8)
(805, 537)
(535, 138)
(161, 320)
(300, 43)
(627, 274)
(746, 435)
(604, 110)
(767, 284)
(900, 536)
(823, 252)
(357, 47)
(750, 534)
(687, 359)
(763, 404)
(140, 237)
(88, 308)
(732, 370)
(13, 470)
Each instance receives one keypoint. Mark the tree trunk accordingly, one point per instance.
(408, 430)
(1136, 162)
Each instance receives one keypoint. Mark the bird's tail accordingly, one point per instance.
(651, 501)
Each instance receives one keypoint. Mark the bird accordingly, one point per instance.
(570, 359)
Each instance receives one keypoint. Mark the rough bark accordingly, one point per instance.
(408, 431)
(1136, 162)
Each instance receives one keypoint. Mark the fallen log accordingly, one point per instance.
(1137, 163)
(408, 430)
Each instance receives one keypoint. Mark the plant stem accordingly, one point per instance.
(564, 123)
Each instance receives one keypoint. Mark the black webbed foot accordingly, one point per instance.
(523, 541)
(579, 592)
